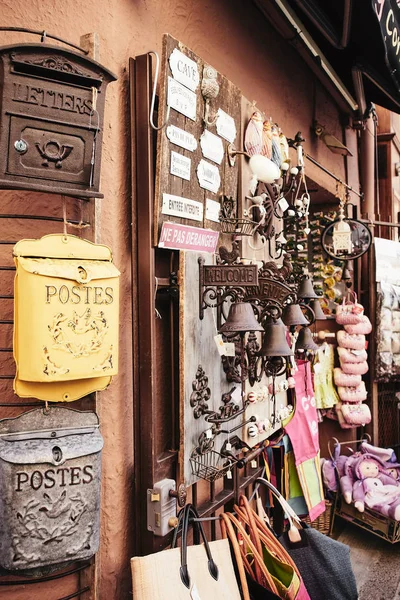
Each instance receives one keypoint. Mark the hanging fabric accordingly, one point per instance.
(302, 430)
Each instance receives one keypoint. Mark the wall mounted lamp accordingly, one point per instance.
(261, 167)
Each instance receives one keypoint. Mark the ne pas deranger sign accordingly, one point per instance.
(184, 237)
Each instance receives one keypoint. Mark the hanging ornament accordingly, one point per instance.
(267, 139)
(253, 137)
(284, 146)
(276, 147)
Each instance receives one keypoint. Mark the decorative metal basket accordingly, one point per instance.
(211, 465)
(238, 226)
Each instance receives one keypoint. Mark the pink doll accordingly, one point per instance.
(347, 477)
(393, 469)
(374, 488)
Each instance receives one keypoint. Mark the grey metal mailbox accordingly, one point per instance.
(50, 472)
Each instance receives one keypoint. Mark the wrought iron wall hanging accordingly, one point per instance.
(51, 120)
(50, 473)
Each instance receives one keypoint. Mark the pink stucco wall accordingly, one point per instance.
(234, 37)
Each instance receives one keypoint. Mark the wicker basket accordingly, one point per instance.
(323, 522)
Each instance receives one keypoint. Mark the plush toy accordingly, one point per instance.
(347, 477)
(385, 499)
(393, 469)
(374, 488)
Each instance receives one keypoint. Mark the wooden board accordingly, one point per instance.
(197, 347)
(228, 99)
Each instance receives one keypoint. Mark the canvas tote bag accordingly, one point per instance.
(198, 572)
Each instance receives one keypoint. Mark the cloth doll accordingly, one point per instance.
(347, 477)
(385, 499)
(374, 488)
(393, 469)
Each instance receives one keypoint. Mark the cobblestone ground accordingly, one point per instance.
(376, 563)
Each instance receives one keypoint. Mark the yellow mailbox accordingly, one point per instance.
(66, 318)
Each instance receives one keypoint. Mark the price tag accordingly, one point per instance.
(283, 204)
(220, 344)
(228, 446)
(229, 349)
(237, 395)
(194, 593)
(253, 464)
(208, 434)
(229, 474)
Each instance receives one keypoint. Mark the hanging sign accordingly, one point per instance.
(182, 207)
(212, 146)
(181, 99)
(184, 69)
(226, 127)
(66, 335)
(50, 473)
(208, 176)
(388, 15)
(180, 165)
(184, 237)
(181, 138)
(213, 209)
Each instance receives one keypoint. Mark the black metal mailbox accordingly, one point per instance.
(50, 472)
(51, 120)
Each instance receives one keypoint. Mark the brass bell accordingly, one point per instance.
(241, 319)
(275, 342)
(315, 306)
(293, 315)
(305, 340)
(306, 289)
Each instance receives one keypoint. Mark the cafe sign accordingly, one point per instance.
(388, 15)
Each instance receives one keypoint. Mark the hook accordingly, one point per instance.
(280, 250)
(153, 96)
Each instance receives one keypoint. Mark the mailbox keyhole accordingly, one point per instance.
(57, 454)
(82, 272)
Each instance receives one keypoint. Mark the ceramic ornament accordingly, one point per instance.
(276, 147)
(253, 137)
(267, 139)
(284, 147)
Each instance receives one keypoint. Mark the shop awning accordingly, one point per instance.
(359, 39)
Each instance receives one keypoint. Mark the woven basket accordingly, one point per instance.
(323, 522)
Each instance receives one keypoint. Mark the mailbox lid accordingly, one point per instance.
(56, 245)
(78, 270)
(53, 436)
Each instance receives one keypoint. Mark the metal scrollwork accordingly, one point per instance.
(201, 393)
(253, 358)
